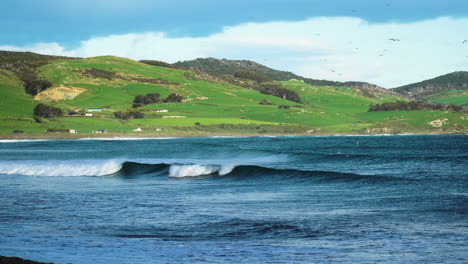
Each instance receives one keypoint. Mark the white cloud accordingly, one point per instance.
(334, 48)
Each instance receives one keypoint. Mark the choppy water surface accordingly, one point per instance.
(398, 199)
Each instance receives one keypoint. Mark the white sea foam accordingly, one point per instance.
(194, 170)
(60, 168)
(22, 140)
(126, 138)
(225, 137)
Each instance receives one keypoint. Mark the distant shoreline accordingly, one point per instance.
(118, 136)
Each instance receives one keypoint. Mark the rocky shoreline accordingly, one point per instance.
(16, 260)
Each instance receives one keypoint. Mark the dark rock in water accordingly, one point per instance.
(15, 260)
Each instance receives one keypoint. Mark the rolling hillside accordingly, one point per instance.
(230, 67)
(211, 104)
(450, 88)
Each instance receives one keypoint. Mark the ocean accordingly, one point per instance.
(334, 199)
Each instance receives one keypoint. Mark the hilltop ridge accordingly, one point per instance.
(230, 67)
(447, 88)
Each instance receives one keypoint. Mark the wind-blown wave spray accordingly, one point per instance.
(61, 168)
(194, 170)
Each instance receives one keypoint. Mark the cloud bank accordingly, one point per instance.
(333, 48)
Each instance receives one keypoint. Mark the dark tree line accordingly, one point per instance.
(35, 86)
(173, 98)
(277, 90)
(129, 114)
(98, 73)
(24, 65)
(32, 83)
(141, 100)
(154, 98)
(413, 105)
(42, 110)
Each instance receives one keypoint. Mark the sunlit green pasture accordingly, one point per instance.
(207, 106)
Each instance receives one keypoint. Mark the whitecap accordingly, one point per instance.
(61, 168)
(22, 140)
(194, 170)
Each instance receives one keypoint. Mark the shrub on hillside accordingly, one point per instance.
(141, 100)
(31, 82)
(413, 105)
(254, 76)
(284, 107)
(98, 73)
(277, 90)
(35, 86)
(129, 114)
(173, 98)
(266, 102)
(42, 110)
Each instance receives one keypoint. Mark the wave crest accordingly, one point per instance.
(61, 168)
(194, 170)
(133, 169)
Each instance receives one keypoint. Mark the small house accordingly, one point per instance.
(158, 129)
(137, 130)
(161, 110)
(88, 114)
(73, 131)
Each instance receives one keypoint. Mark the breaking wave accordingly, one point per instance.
(22, 140)
(130, 169)
(60, 168)
(110, 168)
(193, 170)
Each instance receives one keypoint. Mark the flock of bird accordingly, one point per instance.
(380, 55)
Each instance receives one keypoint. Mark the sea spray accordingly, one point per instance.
(194, 170)
(61, 168)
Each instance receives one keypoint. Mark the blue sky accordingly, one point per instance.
(333, 39)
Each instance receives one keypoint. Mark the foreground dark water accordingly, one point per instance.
(398, 199)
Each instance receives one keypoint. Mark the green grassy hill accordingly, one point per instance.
(212, 105)
(230, 67)
(450, 88)
(454, 96)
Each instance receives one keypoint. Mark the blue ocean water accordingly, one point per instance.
(379, 199)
